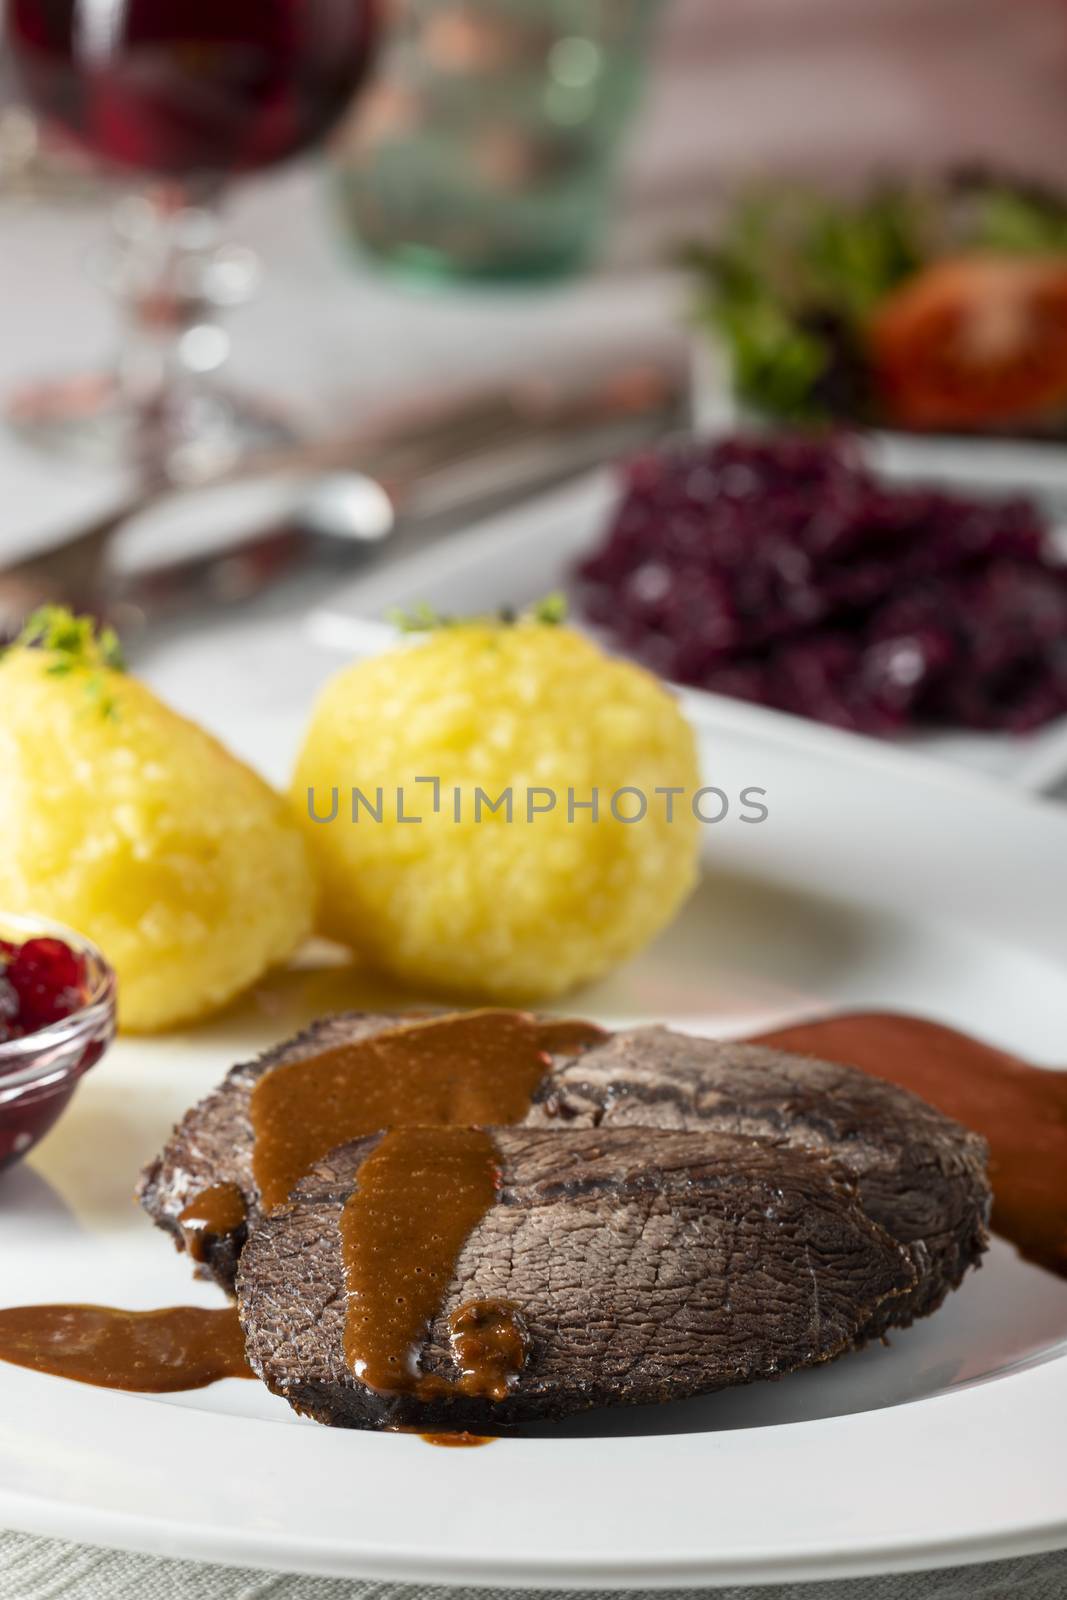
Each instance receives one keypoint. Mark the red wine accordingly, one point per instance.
(188, 87)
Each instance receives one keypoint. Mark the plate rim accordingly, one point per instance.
(154, 1534)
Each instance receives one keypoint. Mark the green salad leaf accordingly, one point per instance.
(791, 278)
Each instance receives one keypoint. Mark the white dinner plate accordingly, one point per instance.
(517, 558)
(871, 883)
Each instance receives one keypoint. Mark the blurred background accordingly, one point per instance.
(361, 228)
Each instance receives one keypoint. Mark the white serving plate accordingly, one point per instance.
(873, 882)
(519, 557)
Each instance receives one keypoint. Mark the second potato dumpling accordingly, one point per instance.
(445, 790)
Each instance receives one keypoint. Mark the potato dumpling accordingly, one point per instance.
(134, 826)
(483, 906)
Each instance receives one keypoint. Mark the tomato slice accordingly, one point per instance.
(975, 341)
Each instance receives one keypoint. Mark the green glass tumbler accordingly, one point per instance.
(488, 145)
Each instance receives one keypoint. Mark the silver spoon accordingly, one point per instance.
(440, 465)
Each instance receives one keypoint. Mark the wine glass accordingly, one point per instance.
(186, 94)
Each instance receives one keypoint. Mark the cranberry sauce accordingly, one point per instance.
(41, 982)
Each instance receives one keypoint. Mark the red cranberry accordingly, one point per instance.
(49, 981)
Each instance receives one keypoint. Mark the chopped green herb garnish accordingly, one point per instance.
(551, 611)
(423, 619)
(76, 644)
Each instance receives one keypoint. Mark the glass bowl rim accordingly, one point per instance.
(97, 1013)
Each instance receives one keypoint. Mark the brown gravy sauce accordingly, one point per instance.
(213, 1213)
(489, 1346)
(156, 1352)
(426, 1185)
(422, 1192)
(474, 1068)
(1019, 1109)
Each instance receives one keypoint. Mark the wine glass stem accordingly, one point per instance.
(171, 277)
(159, 407)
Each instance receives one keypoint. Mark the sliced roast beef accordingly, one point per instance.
(647, 1265)
(920, 1175)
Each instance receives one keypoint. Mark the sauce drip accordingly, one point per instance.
(155, 1352)
(456, 1441)
(480, 1067)
(1019, 1109)
(489, 1345)
(421, 1193)
(214, 1213)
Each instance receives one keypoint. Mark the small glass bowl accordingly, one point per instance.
(38, 1074)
